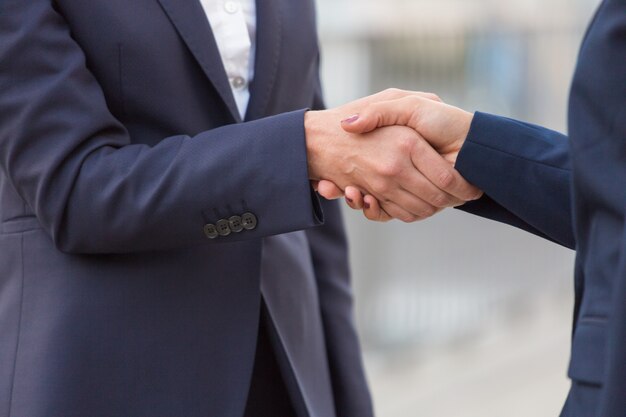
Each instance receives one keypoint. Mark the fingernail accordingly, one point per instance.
(366, 205)
(351, 119)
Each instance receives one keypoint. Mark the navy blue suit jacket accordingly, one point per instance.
(119, 141)
(573, 191)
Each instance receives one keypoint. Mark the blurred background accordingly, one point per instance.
(459, 316)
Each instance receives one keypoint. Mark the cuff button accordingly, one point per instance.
(223, 227)
(236, 224)
(249, 221)
(210, 231)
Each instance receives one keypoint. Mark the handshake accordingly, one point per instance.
(391, 154)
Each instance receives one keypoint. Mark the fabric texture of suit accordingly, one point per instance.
(120, 140)
(573, 191)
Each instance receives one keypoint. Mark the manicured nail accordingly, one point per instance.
(351, 119)
(366, 205)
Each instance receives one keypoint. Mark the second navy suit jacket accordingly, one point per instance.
(572, 190)
(120, 142)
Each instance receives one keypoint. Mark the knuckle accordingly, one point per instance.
(382, 217)
(409, 218)
(428, 211)
(434, 97)
(456, 202)
(472, 193)
(369, 216)
(391, 93)
(410, 101)
(406, 143)
(381, 187)
(391, 168)
(445, 180)
(441, 200)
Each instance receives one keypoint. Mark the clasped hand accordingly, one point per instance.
(391, 154)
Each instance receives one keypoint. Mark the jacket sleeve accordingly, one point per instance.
(524, 171)
(94, 191)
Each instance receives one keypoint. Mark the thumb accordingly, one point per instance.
(361, 123)
(381, 114)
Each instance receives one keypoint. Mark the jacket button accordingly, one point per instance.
(249, 221)
(235, 224)
(223, 227)
(210, 231)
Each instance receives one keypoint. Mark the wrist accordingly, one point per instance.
(316, 138)
(465, 126)
(312, 140)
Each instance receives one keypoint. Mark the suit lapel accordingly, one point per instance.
(191, 23)
(268, 43)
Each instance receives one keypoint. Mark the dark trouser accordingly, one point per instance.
(268, 395)
(582, 400)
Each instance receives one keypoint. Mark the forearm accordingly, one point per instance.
(97, 197)
(145, 198)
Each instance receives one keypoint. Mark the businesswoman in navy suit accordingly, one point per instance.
(569, 189)
(144, 271)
